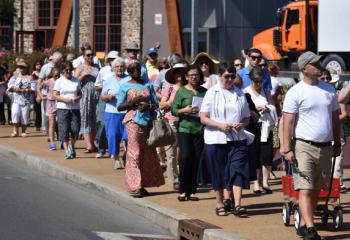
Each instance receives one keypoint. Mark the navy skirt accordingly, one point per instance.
(227, 164)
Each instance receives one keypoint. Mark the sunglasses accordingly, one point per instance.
(326, 78)
(89, 55)
(228, 76)
(238, 65)
(204, 63)
(68, 70)
(254, 58)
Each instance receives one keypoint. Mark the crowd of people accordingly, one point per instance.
(229, 119)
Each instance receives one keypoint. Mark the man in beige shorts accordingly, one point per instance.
(310, 115)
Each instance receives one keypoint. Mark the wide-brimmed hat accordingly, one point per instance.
(22, 64)
(113, 54)
(213, 63)
(177, 68)
(132, 46)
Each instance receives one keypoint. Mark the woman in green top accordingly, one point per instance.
(190, 132)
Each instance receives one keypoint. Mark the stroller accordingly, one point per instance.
(328, 205)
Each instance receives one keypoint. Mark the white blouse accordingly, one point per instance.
(225, 106)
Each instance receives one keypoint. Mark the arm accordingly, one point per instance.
(164, 104)
(288, 125)
(280, 134)
(343, 113)
(58, 98)
(336, 133)
(206, 120)
(344, 94)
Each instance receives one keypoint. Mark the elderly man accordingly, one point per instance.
(311, 119)
(132, 50)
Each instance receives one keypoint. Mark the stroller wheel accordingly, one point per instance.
(337, 218)
(286, 214)
(297, 218)
(324, 217)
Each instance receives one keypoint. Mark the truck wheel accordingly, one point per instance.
(334, 61)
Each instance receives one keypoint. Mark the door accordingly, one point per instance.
(292, 37)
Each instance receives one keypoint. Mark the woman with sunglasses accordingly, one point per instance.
(225, 114)
(208, 66)
(67, 93)
(87, 73)
(23, 90)
(264, 142)
(237, 63)
(190, 131)
(139, 100)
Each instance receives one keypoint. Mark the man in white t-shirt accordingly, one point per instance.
(310, 115)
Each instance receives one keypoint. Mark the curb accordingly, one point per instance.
(159, 215)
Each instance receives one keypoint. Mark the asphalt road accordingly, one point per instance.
(38, 207)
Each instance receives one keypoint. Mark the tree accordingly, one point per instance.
(7, 11)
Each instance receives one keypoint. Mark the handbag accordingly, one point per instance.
(161, 133)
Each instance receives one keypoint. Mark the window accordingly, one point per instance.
(47, 13)
(292, 18)
(6, 32)
(107, 25)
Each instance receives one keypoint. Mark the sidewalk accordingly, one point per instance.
(265, 221)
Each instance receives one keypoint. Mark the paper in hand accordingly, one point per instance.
(197, 102)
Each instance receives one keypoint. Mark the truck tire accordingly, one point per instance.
(334, 61)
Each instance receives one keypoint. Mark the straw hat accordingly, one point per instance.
(22, 63)
(177, 68)
(213, 63)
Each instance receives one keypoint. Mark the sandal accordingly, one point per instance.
(136, 194)
(240, 211)
(228, 205)
(182, 197)
(220, 211)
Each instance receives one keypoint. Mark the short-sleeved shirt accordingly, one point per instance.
(187, 123)
(23, 82)
(46, 70)
(160, 82)
(67, 88)
(275, 82)
(313, 106)
(169, 92)
(111, 86)
(152, 71)
(244, 74)
(103, 74)
(224, 106)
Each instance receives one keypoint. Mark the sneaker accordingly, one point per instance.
(24, 134)
(72, 151)
(52, 147)
(311, 234)
(100, 155)
(68, 155)
(343, 188)
(14, 134)
(118, 165)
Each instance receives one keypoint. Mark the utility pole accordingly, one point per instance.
(76, 9)
(194, 28)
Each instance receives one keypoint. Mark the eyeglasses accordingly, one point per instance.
(238, 65)
(204, 63)
(89, 55)
(193, 75)
(228, 76)
(254, 58)
(119, 66)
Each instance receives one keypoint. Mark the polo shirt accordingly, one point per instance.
(244, 74)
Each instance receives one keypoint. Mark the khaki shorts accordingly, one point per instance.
(314, 164)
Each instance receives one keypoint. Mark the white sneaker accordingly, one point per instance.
(118, 165)
(99, 155)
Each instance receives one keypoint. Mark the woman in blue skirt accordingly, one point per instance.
(225, 113)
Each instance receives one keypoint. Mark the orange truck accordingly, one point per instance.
(319, 26)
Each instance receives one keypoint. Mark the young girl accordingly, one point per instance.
(51, 106)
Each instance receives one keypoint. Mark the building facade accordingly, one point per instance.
(106, 24)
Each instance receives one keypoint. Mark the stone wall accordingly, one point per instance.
(131, 21)
(29, 12)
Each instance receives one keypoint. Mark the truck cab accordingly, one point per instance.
(289, 36)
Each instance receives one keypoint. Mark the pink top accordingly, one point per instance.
(169, 92)
(49, 87)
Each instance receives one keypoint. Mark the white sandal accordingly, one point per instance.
(14, 134)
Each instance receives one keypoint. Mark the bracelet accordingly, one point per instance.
(287, 151)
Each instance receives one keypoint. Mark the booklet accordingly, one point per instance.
(197, 102)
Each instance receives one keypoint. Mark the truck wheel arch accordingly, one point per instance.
(334, 61)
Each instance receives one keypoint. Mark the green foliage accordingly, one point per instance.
(7, 11)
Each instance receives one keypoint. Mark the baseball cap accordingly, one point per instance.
(307, 58)
(113, 54)
(152, 50)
